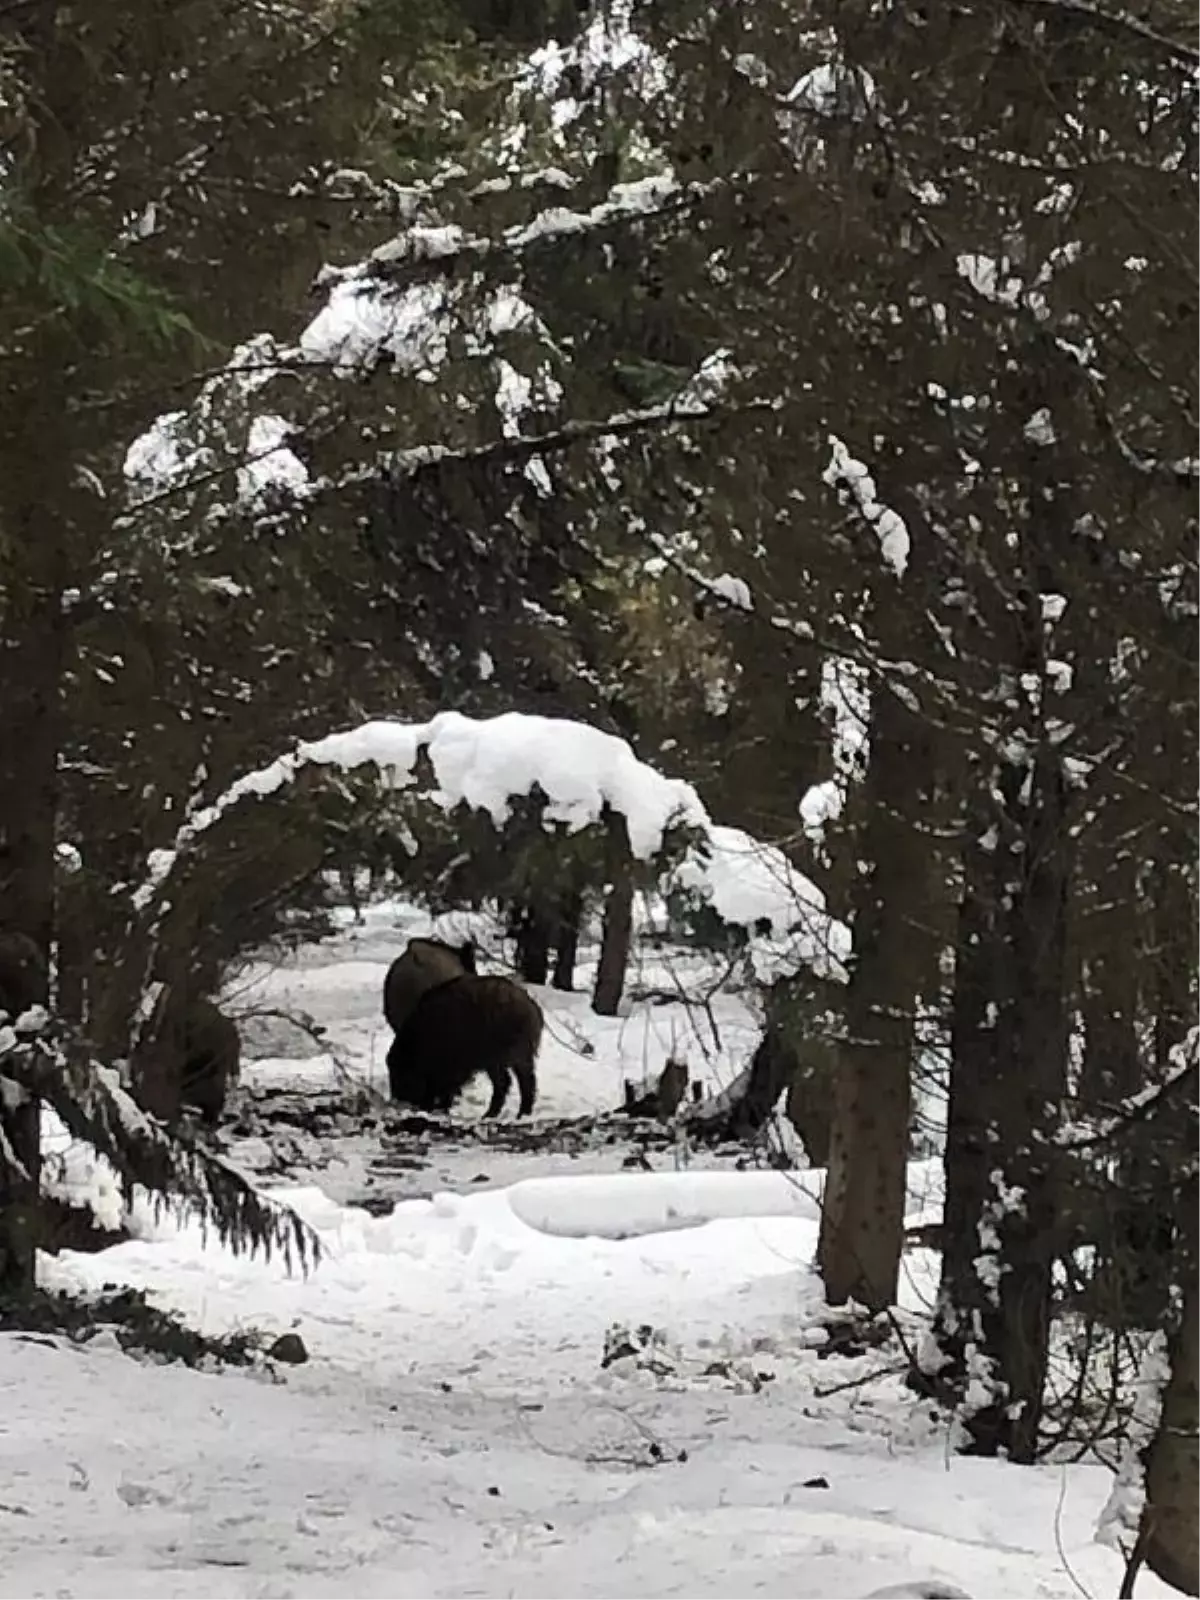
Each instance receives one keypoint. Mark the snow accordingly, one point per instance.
(821, 804)
(991, 278)
(1039, 429)
(834, 90)
(269, 462)
(180, 445)
(445, 246)
(74, 1173)
(853, 482)
(457, 1429)
(581, 770)
(605, 45)
(846, 700)
(735, 591)
(359, 324)
(1121, 1518)
(161, 454)
(710, 382)
(590, 1207)
(748, 883)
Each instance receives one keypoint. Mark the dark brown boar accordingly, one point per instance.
(463, 1027)
(424, 964)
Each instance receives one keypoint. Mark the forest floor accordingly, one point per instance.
(532, 1370)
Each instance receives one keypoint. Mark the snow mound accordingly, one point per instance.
(628, 1206)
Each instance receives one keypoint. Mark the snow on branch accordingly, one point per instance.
(853, 482)
(448, 245)
(753, 885)
(846, 699)
(92, 1105)
(1145, 1103)
(583, 773)
(834, 90)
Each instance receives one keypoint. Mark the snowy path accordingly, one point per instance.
(455, 1433)
(123, 1479)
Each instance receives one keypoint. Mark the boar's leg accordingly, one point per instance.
(440, 1096)
(501, 1078)
(527, 1087)
(395, 1070)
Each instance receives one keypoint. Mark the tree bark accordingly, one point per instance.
(1170, 1535)
(1111, 1057)
(1037, 1037)
(533, 935)
(615, 937)
(566, 945)
(771, 1069)
(810, 1097)
(978, 972)
(862, 1217)
(41, 514)
(616, 932)
(31, 664)
(1175, 938)
(1111, 985)
(1008, 1077)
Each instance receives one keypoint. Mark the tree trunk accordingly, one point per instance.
(1113, 1217)
(31, 666)
(1170, 1534)
(533, 933)
(616, 933)
(1037, 1037)
(1175, 938)
(810, 1097)
(1008, 1078)
(41, 513)
(615, 937)
(862, 1217)
(978, 973)
(566, 946)
(771, 1069)
(1111, 1057)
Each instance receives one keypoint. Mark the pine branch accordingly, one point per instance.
(93, 1107)
(425, 249)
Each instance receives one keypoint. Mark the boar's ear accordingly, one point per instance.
(466, 955)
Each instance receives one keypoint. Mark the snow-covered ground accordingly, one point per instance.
(457, 1431)
(584, 1058)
